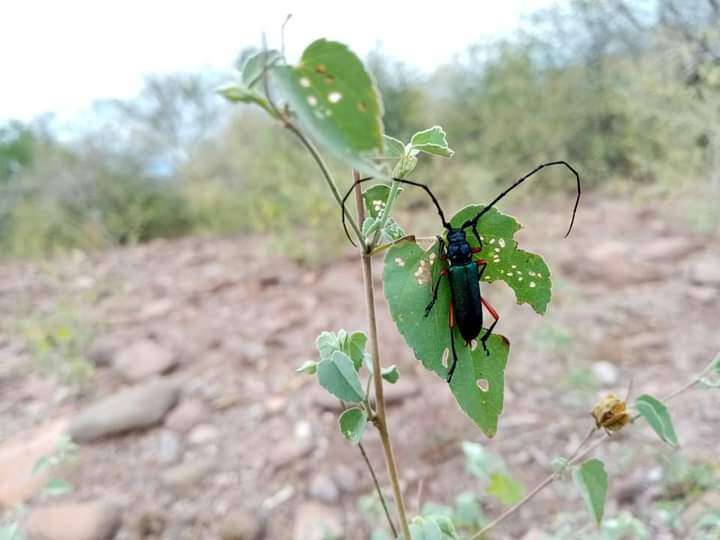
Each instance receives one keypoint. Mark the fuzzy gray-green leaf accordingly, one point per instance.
(352, 424)
(656, 414)
(338, 376)
(592, 480)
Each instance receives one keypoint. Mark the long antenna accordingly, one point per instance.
(519, 181)
(402, 181)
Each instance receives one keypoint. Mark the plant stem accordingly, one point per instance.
(577, 455)
(383, 502)
(380, 420)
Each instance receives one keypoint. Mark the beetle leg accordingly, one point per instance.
(487, 333)
(428, 308)
(443, 272)
(451, 324)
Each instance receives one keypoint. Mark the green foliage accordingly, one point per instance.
(58, 343)
(432, 528)
(478, 380)
(592, 480)
(657, 415)
(338, 376)
(17, 144)
(375, 198)
(505, 489)
(352, 424)
(432, 141)
(335, 99)
(525, 273)
(391, 374)
(352, 344)
(409, 274)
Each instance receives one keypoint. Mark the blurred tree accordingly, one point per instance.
(16, 149)
(403, 95)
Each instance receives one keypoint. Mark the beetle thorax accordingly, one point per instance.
(458, 249)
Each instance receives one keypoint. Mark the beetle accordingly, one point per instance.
(463, 271)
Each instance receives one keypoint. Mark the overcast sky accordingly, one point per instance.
(61, 55)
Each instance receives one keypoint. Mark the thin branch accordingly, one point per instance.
(380, 420)
(380, 495)
(578, 455)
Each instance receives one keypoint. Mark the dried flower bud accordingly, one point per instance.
(610, 413)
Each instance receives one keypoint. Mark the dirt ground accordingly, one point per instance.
(635, 298)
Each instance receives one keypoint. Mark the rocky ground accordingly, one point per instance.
(195, 425)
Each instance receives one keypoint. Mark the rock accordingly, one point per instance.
(151, 524)
(290, 450)
(534, 534)
(102, 350)
(706, 272)
(17, 457)
(187, 415)
(203, 434)
(74, 521)
(315, 521)
(138, 407)
(240, 525)
(667, 248)
(704, 295)
(170, 447)
(323, 489)
(143, 359)
(400, 391)
(187, 474)
(606, 373)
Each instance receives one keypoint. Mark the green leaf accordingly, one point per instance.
(390, 374)
(393, 147)
(336, 101)
(309, 367)
(425, 529)
(354, 347)
(41, 464)
(592, 480)
(717, 364)
(238, 93)
(338, 376)
(326, 344)
(480, 462)
(526, 273)
(352, 424)
(432, 141)
(505, 489)
(658, 417)
(57, 487)
(375, 199)
(445, 524)
(478, 382)
(253, 67)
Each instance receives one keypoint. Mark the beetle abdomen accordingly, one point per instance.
(467, 305)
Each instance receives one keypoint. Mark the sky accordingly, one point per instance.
(60, 56)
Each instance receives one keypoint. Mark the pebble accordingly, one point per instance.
(323, 489)
(144, 359)
(74, 521)
(314, 521)
(606, 373)
(137, 407)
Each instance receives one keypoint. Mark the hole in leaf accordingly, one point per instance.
(501, 242)
(399, 261)
(305, 82)
(473, 344)
(312, 100)
(483, 384)
(334, 97)
(532, 284)
(445, 356)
